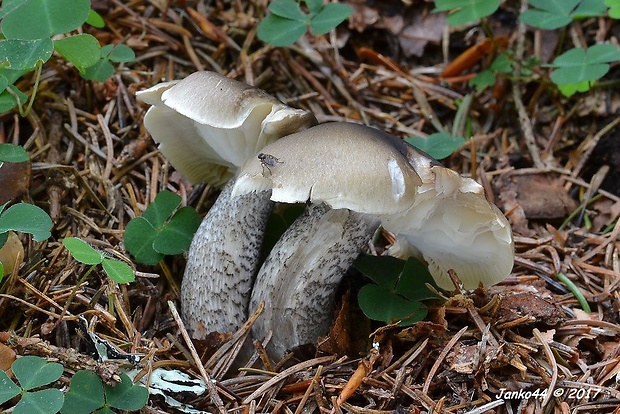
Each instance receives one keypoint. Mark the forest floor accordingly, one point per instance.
(540, 156)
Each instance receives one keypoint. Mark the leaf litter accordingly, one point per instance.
(95, 167)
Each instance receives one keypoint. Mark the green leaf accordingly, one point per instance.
(13, 153)
(8, 389)
(439, 145)
(139, 239)
(3, 238)
(25, 54)
(379, 304)
(85, 394)
(82, 251)
(118, 271)
(94, 19)
(330, 16)
(502, 64)
(465, 11)
(26, 218)
(8, 101)
(413, 279)
(545, 20)
(570, 89)
(82, 50)
(288, 9)
(314, 6)
(126, 395)
(603, 53)
(46, 401)
(176, 236)
(589, 8)
(578, 65)
(12, 75)
(1, 278)
(614, 8)
(549, 14)
(280, 32)
(159, 211)
(34, 371)
(100, 71)
(400, 288)
(383, 270)
(483, 80)
(9, 5)
(120, 53)
(553, 14)
(8, 78)
(39, 19)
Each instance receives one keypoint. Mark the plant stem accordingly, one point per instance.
(73, 293)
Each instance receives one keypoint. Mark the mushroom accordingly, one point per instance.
(356, 176)
(208, 125)
(379, 178)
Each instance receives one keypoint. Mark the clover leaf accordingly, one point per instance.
(287, 22)
(576, 68)
(465, 11)
(399, 288)
(553, 14)
(83, 252)
(26, 218)
(438, 145)
(163, 229)
(32, 372)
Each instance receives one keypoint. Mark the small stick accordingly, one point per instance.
(215, 398)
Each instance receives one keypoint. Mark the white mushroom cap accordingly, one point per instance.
(443, 216)
(342, 164)
(208, 125)
(453, 226)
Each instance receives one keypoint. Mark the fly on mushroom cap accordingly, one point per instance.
(210, 118)
(342, 164)
(443, 216)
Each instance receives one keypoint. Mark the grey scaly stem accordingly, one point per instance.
(223, 260)
(299, 278)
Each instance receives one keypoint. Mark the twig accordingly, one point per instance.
(284, 374)
(524, 119)
(552, 362)
(441, 357)
(215, 398)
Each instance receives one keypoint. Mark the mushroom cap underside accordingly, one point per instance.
(453, 226)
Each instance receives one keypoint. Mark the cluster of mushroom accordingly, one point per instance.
(212, 128)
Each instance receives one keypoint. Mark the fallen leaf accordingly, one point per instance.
(7, 356)
(12, 253)
(14, 180)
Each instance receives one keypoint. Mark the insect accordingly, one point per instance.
(267, 160)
